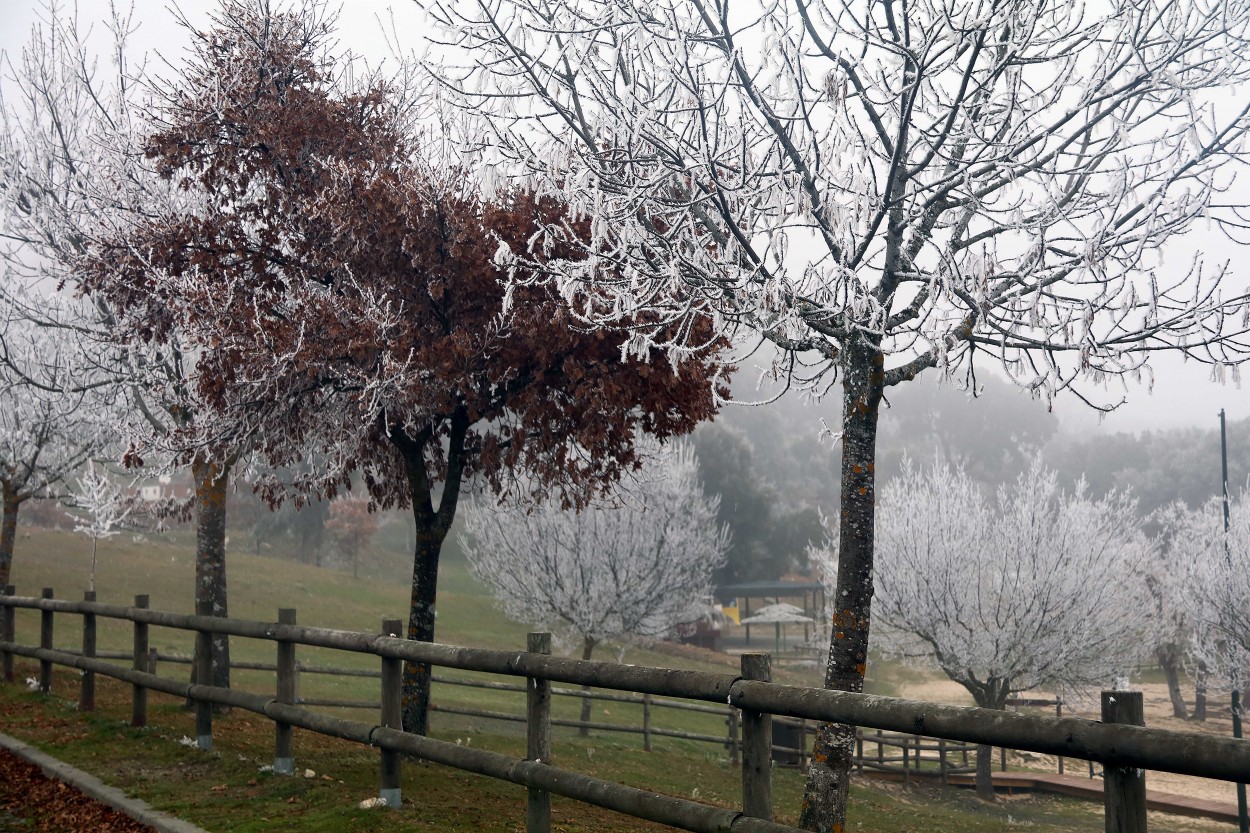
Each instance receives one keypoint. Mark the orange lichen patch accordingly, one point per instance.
(861, 668)
(857, 469)
(863, 490)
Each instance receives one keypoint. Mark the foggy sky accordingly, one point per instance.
(1183, 394)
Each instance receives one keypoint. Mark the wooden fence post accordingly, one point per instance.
(45, 642)
(942, 760)
(139, 697)
(757, 745)
(538, 736)
(732, 742)
(86, 690)
(204, 678)
(646, 723)
(1124, 787)
(8, 632)
(1059, 713)
(389, 789)
(859, 749)
(283, 758)
(803, 745)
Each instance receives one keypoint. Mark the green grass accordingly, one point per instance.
(226, 790)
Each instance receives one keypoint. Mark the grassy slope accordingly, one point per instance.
(227, 792)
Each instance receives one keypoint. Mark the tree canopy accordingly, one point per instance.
(338, 277)
(879, 189)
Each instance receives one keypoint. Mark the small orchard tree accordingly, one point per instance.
(1170, 580)
(49, 425)
(103, 507)
(1030, 587)
(337, 277)
(1219, 580)
(72, 171)
(880, 189)
(352, 525)
(636, 567)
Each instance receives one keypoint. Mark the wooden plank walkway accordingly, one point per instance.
(1078, 787)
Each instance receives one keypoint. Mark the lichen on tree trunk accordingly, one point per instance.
(432, 526)
(421, 612)
(211, 481)
(8, 532)
(828, 780)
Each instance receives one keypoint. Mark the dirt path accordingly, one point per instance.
(1158, 714)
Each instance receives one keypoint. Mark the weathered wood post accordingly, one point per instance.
(139, 694)
(1124, 787)
(732, 742)
(283, 757)
(538, 736)
(204, 679)
(389, 789)
(859, 750)
(757, 745)
(1059, 713)
(942, 760)
(86, 690)
(646, 723)
(803, 745)
(906, 759)
(45, 642)
(8, 631)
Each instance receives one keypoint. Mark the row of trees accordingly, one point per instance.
(1036, 587)
(275, 261)
(302, 258)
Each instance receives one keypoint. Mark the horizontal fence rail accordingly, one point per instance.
(1123, 748)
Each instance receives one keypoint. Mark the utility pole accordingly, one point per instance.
(1243, 820)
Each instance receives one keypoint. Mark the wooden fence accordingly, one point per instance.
(1124, 749)
(792, 739)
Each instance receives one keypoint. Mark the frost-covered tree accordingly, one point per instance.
(72, 170)
(102, 507)
(880, 189)
(1218, 576)
(335, 272)
(1170, 581)
(634, 567)
(1032, 587)
(49, 425)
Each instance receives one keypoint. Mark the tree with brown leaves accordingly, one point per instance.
(340, 286)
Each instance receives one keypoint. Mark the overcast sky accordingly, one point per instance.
(1183, 393)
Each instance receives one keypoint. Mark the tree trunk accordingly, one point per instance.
(1168, 657)
(211, 480)
(1200, 694)
(432, 526)
(588, 646)
(416, 696)
(828, 780)
(8, 532)
(985, 772)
